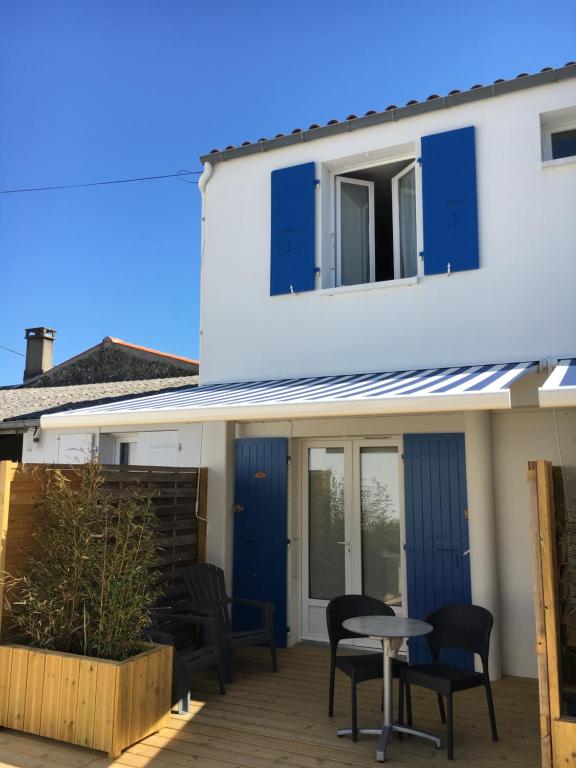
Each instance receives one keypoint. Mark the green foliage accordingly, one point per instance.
(89, 580)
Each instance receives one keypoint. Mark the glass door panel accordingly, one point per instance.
(380, 547)
(326, 524)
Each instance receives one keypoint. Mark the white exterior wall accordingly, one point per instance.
(76, 443)
(517, 306)
(516, 438)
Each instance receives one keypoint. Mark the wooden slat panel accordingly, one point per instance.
(5, 669)
(52, 677)
(85, 710)
(165, 687)
(35, 686)
(127, 704)
(139, 686)
(17, 695)
(106, 706)
(68, 698)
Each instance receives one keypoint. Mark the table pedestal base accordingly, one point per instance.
(386, 731)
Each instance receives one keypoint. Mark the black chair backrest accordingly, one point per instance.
(349, 607)
(207, 588)
(467, 627)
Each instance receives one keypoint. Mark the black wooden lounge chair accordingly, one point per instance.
(358, 667)
(192, 650)
(467, 627)
(207, 590)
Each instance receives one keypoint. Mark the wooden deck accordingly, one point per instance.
(268, 719)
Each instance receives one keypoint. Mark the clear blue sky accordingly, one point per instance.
(93, 90)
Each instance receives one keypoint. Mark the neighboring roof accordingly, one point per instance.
(393, 113)
(29, 404)
(122, 343)
(435, 390)
(114, 360)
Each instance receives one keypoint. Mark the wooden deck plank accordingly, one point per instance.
(271, 720)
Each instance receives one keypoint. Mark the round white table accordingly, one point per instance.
(384, 628)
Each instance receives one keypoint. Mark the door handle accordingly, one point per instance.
(346, 544)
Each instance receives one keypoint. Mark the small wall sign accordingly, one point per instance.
(260, 475)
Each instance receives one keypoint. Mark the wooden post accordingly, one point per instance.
(7, 470)
(541, 655)
(202, 508)
(549, 580)
(562, 750)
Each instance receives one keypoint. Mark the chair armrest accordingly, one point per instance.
(182, 619)
(257, 603)
(266, 611)
(155, 636)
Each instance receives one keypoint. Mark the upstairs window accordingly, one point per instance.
(391, 221)
(558, 134)
(375, 220)
(563, 143)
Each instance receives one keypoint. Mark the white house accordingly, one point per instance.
(383, 299)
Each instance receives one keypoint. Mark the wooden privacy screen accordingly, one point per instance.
(182, 529)
(558, 732)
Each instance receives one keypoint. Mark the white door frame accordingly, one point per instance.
(352, 556)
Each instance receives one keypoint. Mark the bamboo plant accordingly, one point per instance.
(89, 580)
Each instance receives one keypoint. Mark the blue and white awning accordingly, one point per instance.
(435, 390)
(559, 389)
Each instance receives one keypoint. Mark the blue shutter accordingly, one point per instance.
(293, 260)
(449, 202)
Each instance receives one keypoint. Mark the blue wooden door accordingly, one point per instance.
(437, 545)
(260, 529)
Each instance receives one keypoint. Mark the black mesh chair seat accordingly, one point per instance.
(358, 667)
(465, 627)
(366, 666)
(443, 678)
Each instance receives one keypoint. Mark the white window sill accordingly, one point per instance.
(337, 291)
(559, 161)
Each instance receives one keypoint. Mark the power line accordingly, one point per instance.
(12, 350)
(100, 183)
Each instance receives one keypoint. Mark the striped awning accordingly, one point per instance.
(559, 389)
(433, 390)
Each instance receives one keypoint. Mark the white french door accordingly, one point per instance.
(352, 526)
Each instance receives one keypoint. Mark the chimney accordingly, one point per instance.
(39, 343)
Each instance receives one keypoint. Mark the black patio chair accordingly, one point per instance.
(192, 650)
(358, 667)
(465, 627)
(207, 590)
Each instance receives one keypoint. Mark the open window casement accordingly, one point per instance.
(376, 224)
(355, 245)
(405, 226)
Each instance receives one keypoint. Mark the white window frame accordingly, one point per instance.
(548, 129)
(371, 233)
(396, 218)
(339, 170)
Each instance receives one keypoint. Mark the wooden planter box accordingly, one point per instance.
(96, 703)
